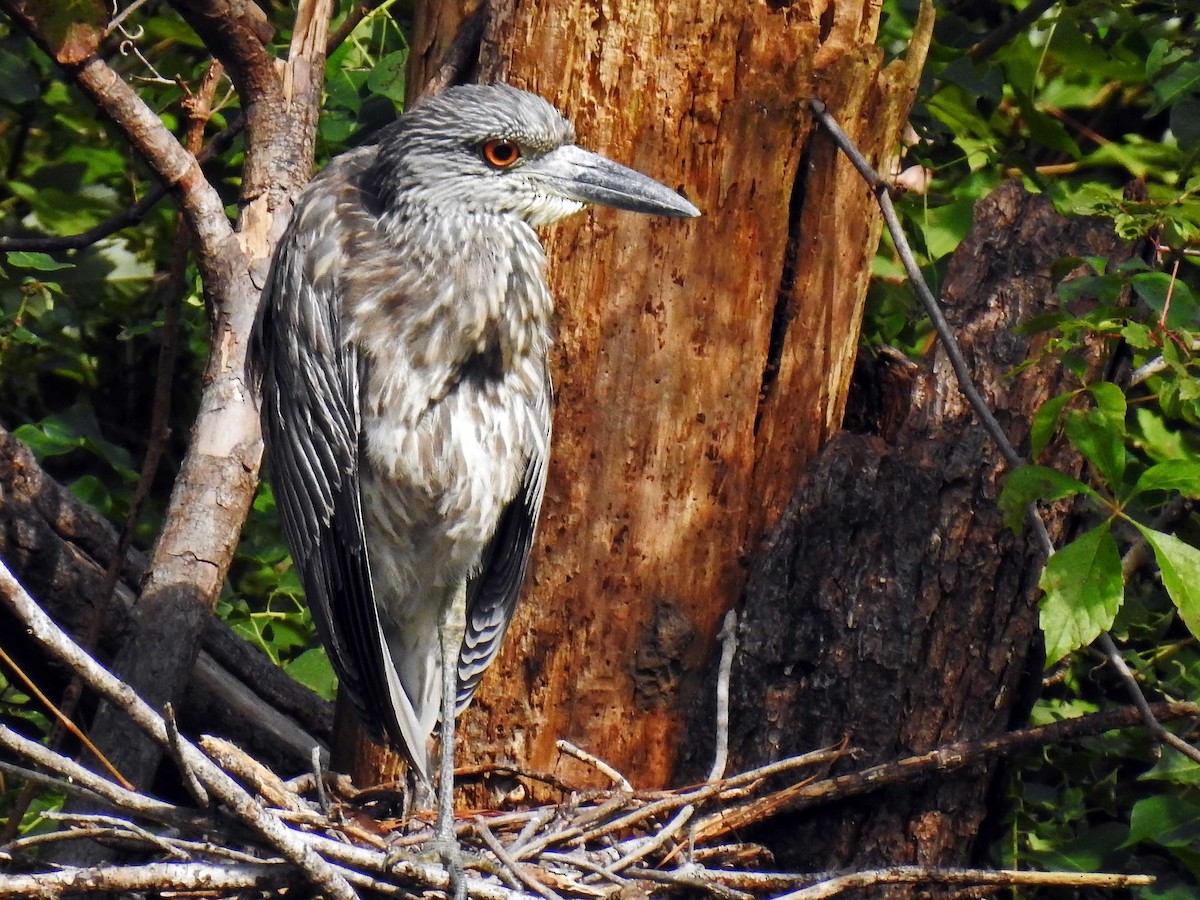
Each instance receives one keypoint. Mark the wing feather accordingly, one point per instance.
(311, 414)
(493, 593)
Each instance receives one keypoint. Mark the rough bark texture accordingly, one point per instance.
(891, 605)
(699, 364)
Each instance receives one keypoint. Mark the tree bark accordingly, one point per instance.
(699, 364)
(891, 605)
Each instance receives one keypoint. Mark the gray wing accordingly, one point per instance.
(311, 418)
(493, 593)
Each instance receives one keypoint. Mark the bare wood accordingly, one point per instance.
(60, 548)
(218, 476)
(999, 878)
(215, 780)
(670, 457)
(188, 876)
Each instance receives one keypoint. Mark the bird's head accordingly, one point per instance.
(494, 149)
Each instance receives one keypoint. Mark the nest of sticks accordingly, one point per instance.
(249, 833)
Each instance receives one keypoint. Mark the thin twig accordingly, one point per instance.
(226, 790)
(510, 865)
(948, 757)
(319, 782)
(645, 846)
(619, 780)
(929, 875)
(693, 878)
(1149, 369)
(62, 719)
(97, 824)
(728, 638)
(75, 775)
(175, 751)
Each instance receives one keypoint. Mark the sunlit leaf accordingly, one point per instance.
(312, 669)
(30, 259)
(1179, 566)
(1084, 590)
(1179, 475)
(1099, 433)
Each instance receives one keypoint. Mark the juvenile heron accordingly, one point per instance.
(401, 347)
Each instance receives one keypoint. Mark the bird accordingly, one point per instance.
(400, 351)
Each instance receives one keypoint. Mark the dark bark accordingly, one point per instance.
(891, 605)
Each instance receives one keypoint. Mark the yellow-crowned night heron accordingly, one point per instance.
(401, 348)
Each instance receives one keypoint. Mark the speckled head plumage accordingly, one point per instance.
(495, 149)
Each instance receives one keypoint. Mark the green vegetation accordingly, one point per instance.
(1096, 105)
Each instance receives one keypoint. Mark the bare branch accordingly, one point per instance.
(927, 875)
(226, 790)
(117, 796)
(123, 880)
(728, 638)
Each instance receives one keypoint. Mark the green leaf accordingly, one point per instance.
(1179, 565)
(1110, 400)
(1185, 122)
(1174, 767)
(1156, 438)
(1029, 484)
(312, 669)
(1164, 820)
(388, 76)
(1138, 336)
(42, 262)
(1099, 433)
(1084, 590)
(1173, 475)
(1045, 422)
(47, 440)
(18, 82)
(1157, 289)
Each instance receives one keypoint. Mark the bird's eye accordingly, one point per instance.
(500, 153)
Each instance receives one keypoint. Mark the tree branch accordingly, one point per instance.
(219, 784)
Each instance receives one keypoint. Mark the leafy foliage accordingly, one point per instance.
(81, 330)
(1094, 105)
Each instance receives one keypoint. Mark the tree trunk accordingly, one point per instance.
(892, 605)
(699, 364)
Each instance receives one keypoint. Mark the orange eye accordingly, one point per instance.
(501, 154)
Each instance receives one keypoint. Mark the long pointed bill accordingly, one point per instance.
(580, 175)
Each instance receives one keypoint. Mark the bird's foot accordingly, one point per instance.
(447, 847)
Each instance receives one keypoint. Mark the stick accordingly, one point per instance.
(226, 790)
(728, 638)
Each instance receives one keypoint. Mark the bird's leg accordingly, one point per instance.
(450, 631)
